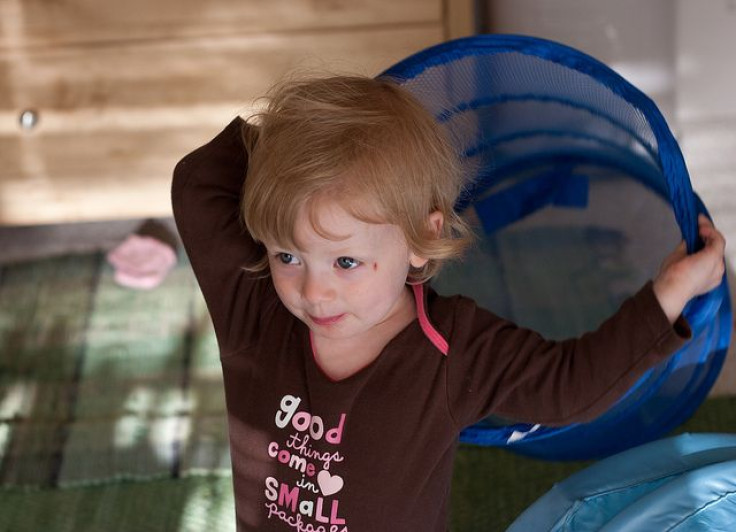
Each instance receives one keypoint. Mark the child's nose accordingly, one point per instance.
(317, 289)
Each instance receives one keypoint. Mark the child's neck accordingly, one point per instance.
(340, 359)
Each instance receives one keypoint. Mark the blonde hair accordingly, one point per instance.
(363, 142)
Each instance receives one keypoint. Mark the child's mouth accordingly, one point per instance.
(327, 320)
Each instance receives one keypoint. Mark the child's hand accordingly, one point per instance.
(684, 276)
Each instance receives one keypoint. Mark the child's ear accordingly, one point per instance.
(416, 261)
(435, 220)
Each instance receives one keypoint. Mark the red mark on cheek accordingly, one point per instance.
(375, 266)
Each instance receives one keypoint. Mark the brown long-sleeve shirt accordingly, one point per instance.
(374, 452)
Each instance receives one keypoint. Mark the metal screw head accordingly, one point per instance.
(28, 119)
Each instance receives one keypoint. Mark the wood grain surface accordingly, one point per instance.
(121, 91)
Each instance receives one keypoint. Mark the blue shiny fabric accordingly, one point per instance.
(686, 483)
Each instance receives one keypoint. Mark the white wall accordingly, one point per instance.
(706, 59)
(634, 37)
(706, 111)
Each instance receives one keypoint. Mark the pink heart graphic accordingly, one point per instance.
(329, 484)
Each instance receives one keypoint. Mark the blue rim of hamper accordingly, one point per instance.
(670, 156)
(678, 191)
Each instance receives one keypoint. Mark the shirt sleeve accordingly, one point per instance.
(206, 191)
(497, 368)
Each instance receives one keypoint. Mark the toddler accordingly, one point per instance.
(313, 230)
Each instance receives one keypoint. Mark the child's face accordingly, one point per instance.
(343, 287)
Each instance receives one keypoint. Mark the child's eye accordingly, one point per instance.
(347, 263)
(287, 258)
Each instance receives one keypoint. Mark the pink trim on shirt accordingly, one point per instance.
(429, 331)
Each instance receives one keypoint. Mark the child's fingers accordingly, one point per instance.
(713, 252)
(705, 226)
(711, 236)
(715, 241)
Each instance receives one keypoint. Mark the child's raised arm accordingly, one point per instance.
(502, 369)
(205, 195)
(683, 276)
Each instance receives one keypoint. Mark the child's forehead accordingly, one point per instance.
(332, 213)
(337, 220)
(332, 225)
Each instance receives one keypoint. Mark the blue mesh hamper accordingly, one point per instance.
(579, 190)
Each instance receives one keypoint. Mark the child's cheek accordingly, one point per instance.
(286, 289)
(281, 270)
(284, 280)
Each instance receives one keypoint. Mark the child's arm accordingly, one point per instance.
(683, 276)
(205, 194)
(496, 367)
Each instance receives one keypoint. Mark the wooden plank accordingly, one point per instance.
(113, 125)
(190, 72)
(33, 23)
(95, 175)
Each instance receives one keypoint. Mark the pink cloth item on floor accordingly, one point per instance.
(141, 262)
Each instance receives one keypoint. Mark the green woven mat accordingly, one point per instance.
(100, 381)
(112, 412)
(190, 504)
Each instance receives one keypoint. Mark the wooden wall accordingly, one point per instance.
(122, 90)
